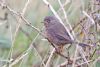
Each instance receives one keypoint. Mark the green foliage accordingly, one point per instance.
(97, 64)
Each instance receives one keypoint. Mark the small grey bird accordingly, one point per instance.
(56, 33)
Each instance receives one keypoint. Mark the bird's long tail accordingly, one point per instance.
(81, 44)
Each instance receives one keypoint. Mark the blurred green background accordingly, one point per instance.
(34, 13)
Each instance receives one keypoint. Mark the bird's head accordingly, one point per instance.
(50, 20)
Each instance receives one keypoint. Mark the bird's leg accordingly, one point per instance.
(58, 50)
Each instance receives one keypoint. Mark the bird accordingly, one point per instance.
(56, 33)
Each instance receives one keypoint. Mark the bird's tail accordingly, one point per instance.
(82, 44)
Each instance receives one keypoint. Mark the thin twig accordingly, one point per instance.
(49, 59)
(83, 55)
(75, 56)
(83, 63)
(19, 24)
(84, 12)
(64, 12)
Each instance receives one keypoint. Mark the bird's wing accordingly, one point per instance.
(61, 33)
(63, 36)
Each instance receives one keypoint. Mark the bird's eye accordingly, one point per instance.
(48, 20)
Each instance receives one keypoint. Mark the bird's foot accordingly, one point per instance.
(59, 49)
